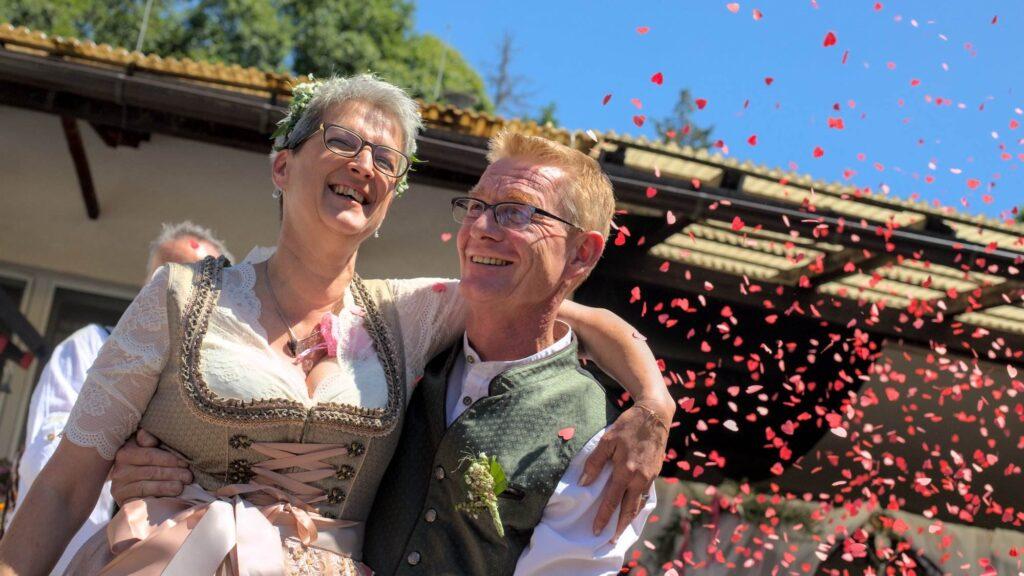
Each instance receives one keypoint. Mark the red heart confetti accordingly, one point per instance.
(639, 120)
(830, 39)
(658, 78)
(641, 30)
(818, 152)
(701, 103)
(768, 80)
(566, 434)
(756, 14)
(607, 98)
(446, 236)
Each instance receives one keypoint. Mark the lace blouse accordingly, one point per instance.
(237, 361)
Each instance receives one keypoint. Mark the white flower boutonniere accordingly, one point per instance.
(486, 480)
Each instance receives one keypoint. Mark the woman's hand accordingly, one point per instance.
(53, 510)
(635, 444)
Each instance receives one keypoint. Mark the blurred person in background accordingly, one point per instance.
(61, 379)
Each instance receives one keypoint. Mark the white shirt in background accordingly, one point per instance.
(54, 396)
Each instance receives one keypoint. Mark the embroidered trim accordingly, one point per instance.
(367, 421)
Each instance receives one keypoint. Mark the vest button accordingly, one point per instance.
(431, 515)
(413, 558)
(439, 473)
(345, 472)
(239, 441)
(467, 400)
(335, 496)
(470, 358)
(240, 472)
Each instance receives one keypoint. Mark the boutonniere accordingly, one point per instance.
(486, 480)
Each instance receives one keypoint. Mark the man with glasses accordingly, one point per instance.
(532, 230)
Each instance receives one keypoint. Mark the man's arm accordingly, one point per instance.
(635, 444)
(564, 542)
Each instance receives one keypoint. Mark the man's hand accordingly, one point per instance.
(142, 469)
(635, 444)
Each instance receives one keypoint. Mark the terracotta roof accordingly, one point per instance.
(711, 244)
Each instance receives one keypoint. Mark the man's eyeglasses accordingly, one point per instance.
(511, 215)
(348, 144)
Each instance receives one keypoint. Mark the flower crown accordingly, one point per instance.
(302, 95)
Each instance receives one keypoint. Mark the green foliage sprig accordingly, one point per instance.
(302, 95)
(485, 479)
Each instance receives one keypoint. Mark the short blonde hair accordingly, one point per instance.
(588, 198)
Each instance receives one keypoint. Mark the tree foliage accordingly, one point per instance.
(321, 37)
(679, 127)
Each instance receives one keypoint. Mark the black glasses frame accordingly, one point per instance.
(493, 207)
(363, 143)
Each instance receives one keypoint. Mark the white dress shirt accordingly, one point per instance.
(563, 543)
(54, 396)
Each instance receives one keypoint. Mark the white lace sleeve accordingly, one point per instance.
(432, 315)
(125, 374)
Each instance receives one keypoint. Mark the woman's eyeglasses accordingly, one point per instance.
(348, 144)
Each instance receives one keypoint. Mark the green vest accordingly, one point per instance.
(414, 527)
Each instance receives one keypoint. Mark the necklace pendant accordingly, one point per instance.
(293, 348)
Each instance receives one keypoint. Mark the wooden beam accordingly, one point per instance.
(810, 305)
(81, 161)
(114, 136)
(875, 237)
(994, 295)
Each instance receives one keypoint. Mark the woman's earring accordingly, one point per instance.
(276, 193)
(376, 233)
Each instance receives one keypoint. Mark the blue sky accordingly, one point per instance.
(896, 135)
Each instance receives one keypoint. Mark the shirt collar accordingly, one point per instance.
(496, 367)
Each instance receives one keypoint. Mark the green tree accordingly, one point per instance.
(321, 37)
(679, 127)
(422, 61)
(244, 32)
(106, 22)
(547, 116)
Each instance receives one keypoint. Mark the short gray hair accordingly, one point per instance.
(360, 88)
(172, 232)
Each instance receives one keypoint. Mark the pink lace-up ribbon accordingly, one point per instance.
(242, 524)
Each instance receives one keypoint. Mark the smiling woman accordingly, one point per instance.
(282, 382)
